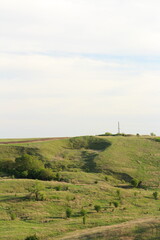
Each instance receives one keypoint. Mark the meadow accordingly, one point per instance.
(93, 177)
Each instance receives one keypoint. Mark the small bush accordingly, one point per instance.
(57, 188)
(83, 212)
(84, 219)
(33, 237)
(97, 208)
(118, 194)
(155, 195)
(116, 204)
(152, 134)
(12, 215)
(45, 174)
(135, 183)
(36, 192)
(68, 212)
(106, 178)
(58, 177)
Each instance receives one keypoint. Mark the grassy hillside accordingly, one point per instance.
(92, 171)
(122, 158)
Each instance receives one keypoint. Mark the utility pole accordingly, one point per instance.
(118, 128)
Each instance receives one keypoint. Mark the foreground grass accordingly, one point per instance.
(47, 218)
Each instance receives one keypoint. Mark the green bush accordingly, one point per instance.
(7, 166)
(116, 204)
(119, 195)
(155, 195)
(36, 192)
(45, 174)
(33, 237)
(68, 212)
(135, 182)
(83, 212)
(12, 215)
(97, 208)
(108, 134)
(106, 178)
(84, 219)
(89, 142)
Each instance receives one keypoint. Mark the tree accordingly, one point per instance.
(29, 165)
(152, 134)
(36, 191)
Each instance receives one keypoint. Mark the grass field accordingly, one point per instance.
(91, 176)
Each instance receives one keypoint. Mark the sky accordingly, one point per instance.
(77, 67)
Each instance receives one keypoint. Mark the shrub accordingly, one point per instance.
(106, 178)
(155, 195)
(118, 194)
(57, 188)
(28, 166)
(83, 212)
(97, 208)
(116, 204)
(58, 177)
(68, 212)
(108, 134)
(33, 237)
(89, 142)
(45, 174)
(36, 191)
(7, 166)
(12, 215)
(152, 134)
(135, 183)
(84, 219)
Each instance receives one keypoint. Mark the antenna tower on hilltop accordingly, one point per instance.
(118, 128)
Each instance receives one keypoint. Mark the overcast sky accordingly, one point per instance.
(77, 67)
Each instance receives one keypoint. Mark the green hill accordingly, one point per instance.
(86, 172)
(122, 158)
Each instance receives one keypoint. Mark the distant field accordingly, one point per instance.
(28, 140)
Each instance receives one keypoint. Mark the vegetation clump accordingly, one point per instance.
(155, 195)
(136, 183)
(89, 142)
(35, 191)
(68, 212)
(33, 237)
(27, 166)
(97, 208)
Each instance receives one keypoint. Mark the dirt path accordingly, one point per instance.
(34, 140)
(106, 231)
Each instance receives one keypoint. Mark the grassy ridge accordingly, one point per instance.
(122, 158)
